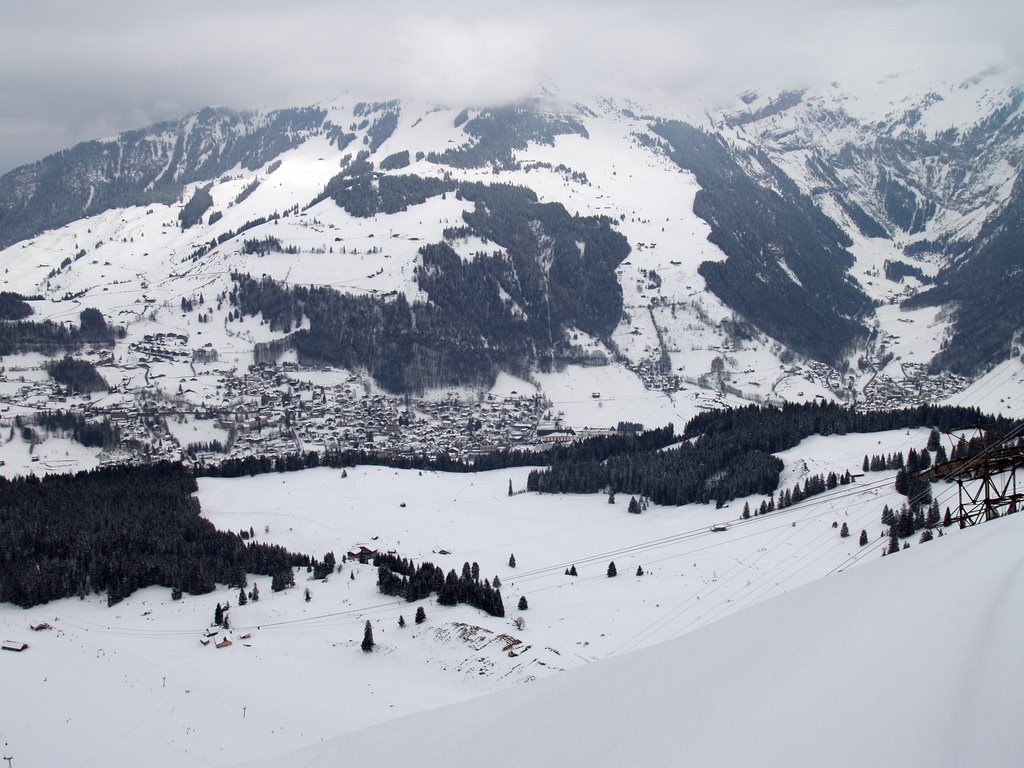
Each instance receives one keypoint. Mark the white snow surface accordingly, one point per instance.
(300, 679)
(136, 265)
(808, 679)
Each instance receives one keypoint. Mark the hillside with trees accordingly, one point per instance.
(116, 530)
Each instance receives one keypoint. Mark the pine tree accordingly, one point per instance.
(401, 621)
(242, 599)
(367, 644)
(933, 440)
(844, 531)
(497, 583)
(863, 538)
(218, 615)
(255, 596)
(512, 561)
(894, 543)
(572, 570)
(523, 605)
(421, 615)
(634, 506)
(746, 510)
(639, 570)
(611, 569)
(926, 535)
(282, 580)
(866, 467)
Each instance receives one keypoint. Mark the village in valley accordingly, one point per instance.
(177, 403)
(272, 410)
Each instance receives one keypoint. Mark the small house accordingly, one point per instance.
(14, 645)
(224, 643)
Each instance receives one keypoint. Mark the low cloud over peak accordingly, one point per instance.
(72, 73)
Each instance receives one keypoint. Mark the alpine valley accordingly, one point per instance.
(388, 378)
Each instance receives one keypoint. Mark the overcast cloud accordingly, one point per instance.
(75, 71)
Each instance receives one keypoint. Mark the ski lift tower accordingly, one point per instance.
(987, 481)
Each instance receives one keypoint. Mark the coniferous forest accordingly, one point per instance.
(398, 576)
(508, 311)
(118, 529)
(765, 228)
(730, 453)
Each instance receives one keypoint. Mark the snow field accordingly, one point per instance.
(300, 677)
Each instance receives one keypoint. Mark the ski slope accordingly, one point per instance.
(133, 682)
(911, 662)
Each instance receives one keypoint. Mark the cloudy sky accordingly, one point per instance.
(75, 71)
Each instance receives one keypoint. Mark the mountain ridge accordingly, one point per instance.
(812, 223)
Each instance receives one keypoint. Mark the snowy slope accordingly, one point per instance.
(136, 264)
(300, 677)
(836, 673)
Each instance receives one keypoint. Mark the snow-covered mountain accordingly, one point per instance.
(844, 244)
(410, 279)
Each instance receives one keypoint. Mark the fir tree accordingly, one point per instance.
(572, 570)
(611, 569)
(510, 486)
(242, 599)
(634, 506)
(401, 621)
(866, 467)
(218, 615)
(639, 570)
(497, 583)
(175, 593)
(863, 538)
(523, 605)
(282, 580)
(421, 615)
(255, 595)
(512, 561)
(844, 531)
(746, 510)
(308, 595)
(926, 535)
(367, 644)
(894, 543)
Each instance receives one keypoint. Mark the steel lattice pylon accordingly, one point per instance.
(987, 482)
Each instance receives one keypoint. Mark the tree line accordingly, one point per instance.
(118, 529)
(505, 311)
(729, 453)
(398, 576)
